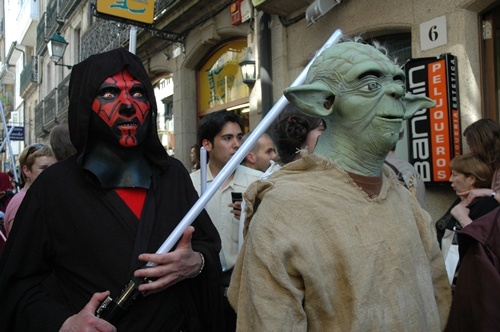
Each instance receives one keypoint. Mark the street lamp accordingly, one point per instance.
(56, 47)
(248, 71)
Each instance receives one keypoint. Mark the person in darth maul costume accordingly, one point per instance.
(92, 221)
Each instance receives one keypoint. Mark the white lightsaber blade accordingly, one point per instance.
(231, 165)
(203, 169)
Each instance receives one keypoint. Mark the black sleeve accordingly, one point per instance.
(482, 206)
(445, 222)
(25, 264)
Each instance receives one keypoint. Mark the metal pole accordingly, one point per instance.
(203, 169)
(132, 44)
(265, 61)
(231, 165)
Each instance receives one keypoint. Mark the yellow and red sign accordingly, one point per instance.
(434, 134)
(220, 80)
(134, 10)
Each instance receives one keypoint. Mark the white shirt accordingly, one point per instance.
(219, 211)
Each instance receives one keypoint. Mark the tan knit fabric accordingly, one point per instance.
(320, 255)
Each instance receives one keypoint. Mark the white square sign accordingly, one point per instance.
(433, 33)
(246, 11)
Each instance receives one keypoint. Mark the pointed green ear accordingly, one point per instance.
(311, 98)
(414, 103)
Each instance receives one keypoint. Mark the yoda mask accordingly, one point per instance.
(361, 95)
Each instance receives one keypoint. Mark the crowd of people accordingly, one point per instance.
(320, 228)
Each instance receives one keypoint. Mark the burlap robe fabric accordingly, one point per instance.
(321, 255)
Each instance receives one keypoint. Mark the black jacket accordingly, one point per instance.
(478, 208)
(71, 237)
(476, 303)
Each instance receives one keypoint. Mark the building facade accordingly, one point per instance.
(193, 49)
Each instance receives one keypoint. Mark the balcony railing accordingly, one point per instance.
(67, 7)
(39, 120)
(53, 109)
(29, 75)
(51, 18)
(41, 45)
(49, 116)
(102, 36)
(48, 23)
(62, 99)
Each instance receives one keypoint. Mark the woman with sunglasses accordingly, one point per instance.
(33, 160)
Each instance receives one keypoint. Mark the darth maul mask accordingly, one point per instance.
(122, 103)
(120, 123)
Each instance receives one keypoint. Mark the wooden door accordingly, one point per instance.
(491, 64)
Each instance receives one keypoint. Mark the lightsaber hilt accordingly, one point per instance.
(112, 310)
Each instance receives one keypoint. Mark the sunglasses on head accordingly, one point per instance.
(34, 148)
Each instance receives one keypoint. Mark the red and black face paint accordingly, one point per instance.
(123, 104)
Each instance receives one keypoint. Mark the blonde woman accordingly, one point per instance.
(33, 160)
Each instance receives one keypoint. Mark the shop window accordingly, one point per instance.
(169, 109)
(398, 45)
(220, 84)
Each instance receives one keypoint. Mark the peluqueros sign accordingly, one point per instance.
(434, 134)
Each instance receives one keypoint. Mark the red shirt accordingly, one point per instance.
(134, 198)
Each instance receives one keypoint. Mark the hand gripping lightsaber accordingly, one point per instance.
(112, 310)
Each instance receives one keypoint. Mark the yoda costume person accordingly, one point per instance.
(332, 241)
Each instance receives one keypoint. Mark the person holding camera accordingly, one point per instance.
(220, 134)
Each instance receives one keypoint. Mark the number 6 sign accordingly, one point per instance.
(433, 33)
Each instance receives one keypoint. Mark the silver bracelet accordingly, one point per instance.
(201, 268)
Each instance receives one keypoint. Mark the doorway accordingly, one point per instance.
(491, 64)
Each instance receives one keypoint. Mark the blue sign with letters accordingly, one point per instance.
(17, 133)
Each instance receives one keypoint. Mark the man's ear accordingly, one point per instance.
(207, 145)
(251, 158)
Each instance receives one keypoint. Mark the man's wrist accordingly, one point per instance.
(201, 268)
(493, 193)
